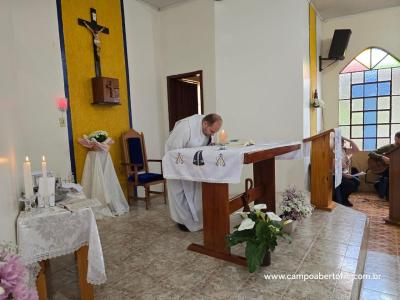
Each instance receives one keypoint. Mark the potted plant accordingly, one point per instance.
(294, 207)
(260, 231)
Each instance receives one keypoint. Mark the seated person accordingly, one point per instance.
(379, 155)
(349, 183)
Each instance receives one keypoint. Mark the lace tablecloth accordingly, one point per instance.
(50, 232)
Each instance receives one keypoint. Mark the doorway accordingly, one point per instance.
(185, 96)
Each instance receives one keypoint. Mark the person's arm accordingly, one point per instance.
(378, 154)
(354, 147)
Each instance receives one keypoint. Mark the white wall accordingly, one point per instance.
(375, 28)
(250, 65)
(142, 26)
(320, 123)
(30, 81)
(262, 73)
(9, 128)
(40, 82)
(187, 44)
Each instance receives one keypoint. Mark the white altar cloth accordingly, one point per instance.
(210, 163)
(50, 232)
(338, 157)
(100, 181)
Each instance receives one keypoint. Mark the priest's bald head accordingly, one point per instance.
(211, 124)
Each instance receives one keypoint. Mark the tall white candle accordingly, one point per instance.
(44, 167)
(28, 178)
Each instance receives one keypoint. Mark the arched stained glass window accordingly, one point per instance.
(369, 99)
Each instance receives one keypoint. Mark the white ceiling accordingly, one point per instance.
(337, 8)
(160, 4)
(326, 8)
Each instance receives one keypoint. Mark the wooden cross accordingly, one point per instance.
(95, 29)
(110, 87)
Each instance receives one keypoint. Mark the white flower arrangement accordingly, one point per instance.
(248, 223)
(97, 140)
(99, 135)
(294, 205)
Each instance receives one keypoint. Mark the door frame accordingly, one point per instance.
(180, 76)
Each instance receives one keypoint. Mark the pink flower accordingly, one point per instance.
(22, 292)
(11, 272)
(3, 294)
(12, 281)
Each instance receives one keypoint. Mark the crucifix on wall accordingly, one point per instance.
(96, 30)
(105, 90)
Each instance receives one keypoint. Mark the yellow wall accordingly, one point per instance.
(80, 65)
(313, 67)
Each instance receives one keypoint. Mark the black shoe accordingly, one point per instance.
(182, 227)
(347, 203)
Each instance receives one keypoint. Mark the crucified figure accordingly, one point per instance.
(95, 29)
(96, 38)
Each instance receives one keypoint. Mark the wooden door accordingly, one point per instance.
(183, 96)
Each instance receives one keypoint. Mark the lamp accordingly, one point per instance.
(62, 105)
(316, 102)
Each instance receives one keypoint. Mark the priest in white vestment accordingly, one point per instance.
(184, 196)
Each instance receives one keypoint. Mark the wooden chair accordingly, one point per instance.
(137, 169)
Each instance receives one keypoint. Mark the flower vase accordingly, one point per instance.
(267, 259)
(290, 227)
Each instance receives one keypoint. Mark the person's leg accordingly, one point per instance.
(385, 187)
(347, 187)
(356, 180)
(382, 186)
(337, 194)
(386, 183)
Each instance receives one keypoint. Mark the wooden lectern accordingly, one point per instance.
(217, 207)
(322, 162)
(394, 188)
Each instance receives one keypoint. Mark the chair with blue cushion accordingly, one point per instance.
(137, 169)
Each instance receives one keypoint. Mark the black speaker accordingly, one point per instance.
(339, 43)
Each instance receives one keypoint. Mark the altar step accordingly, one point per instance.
(326, 243)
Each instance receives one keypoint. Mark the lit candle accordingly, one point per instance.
(44, 167)
(28, 178)
(222, 137)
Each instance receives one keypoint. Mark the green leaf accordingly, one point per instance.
(262, 230)
(251, 250)
(254, 255)
(238, 237)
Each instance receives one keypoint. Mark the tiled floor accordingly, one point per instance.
(146, 258)
(383, 249)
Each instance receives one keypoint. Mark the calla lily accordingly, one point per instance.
(273, 217)
(246, 224)
(260, 206)
(243, 214)
(2, 291)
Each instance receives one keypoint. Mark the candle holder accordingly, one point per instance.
(28, 201)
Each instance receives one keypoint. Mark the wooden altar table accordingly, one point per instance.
(217, 207)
